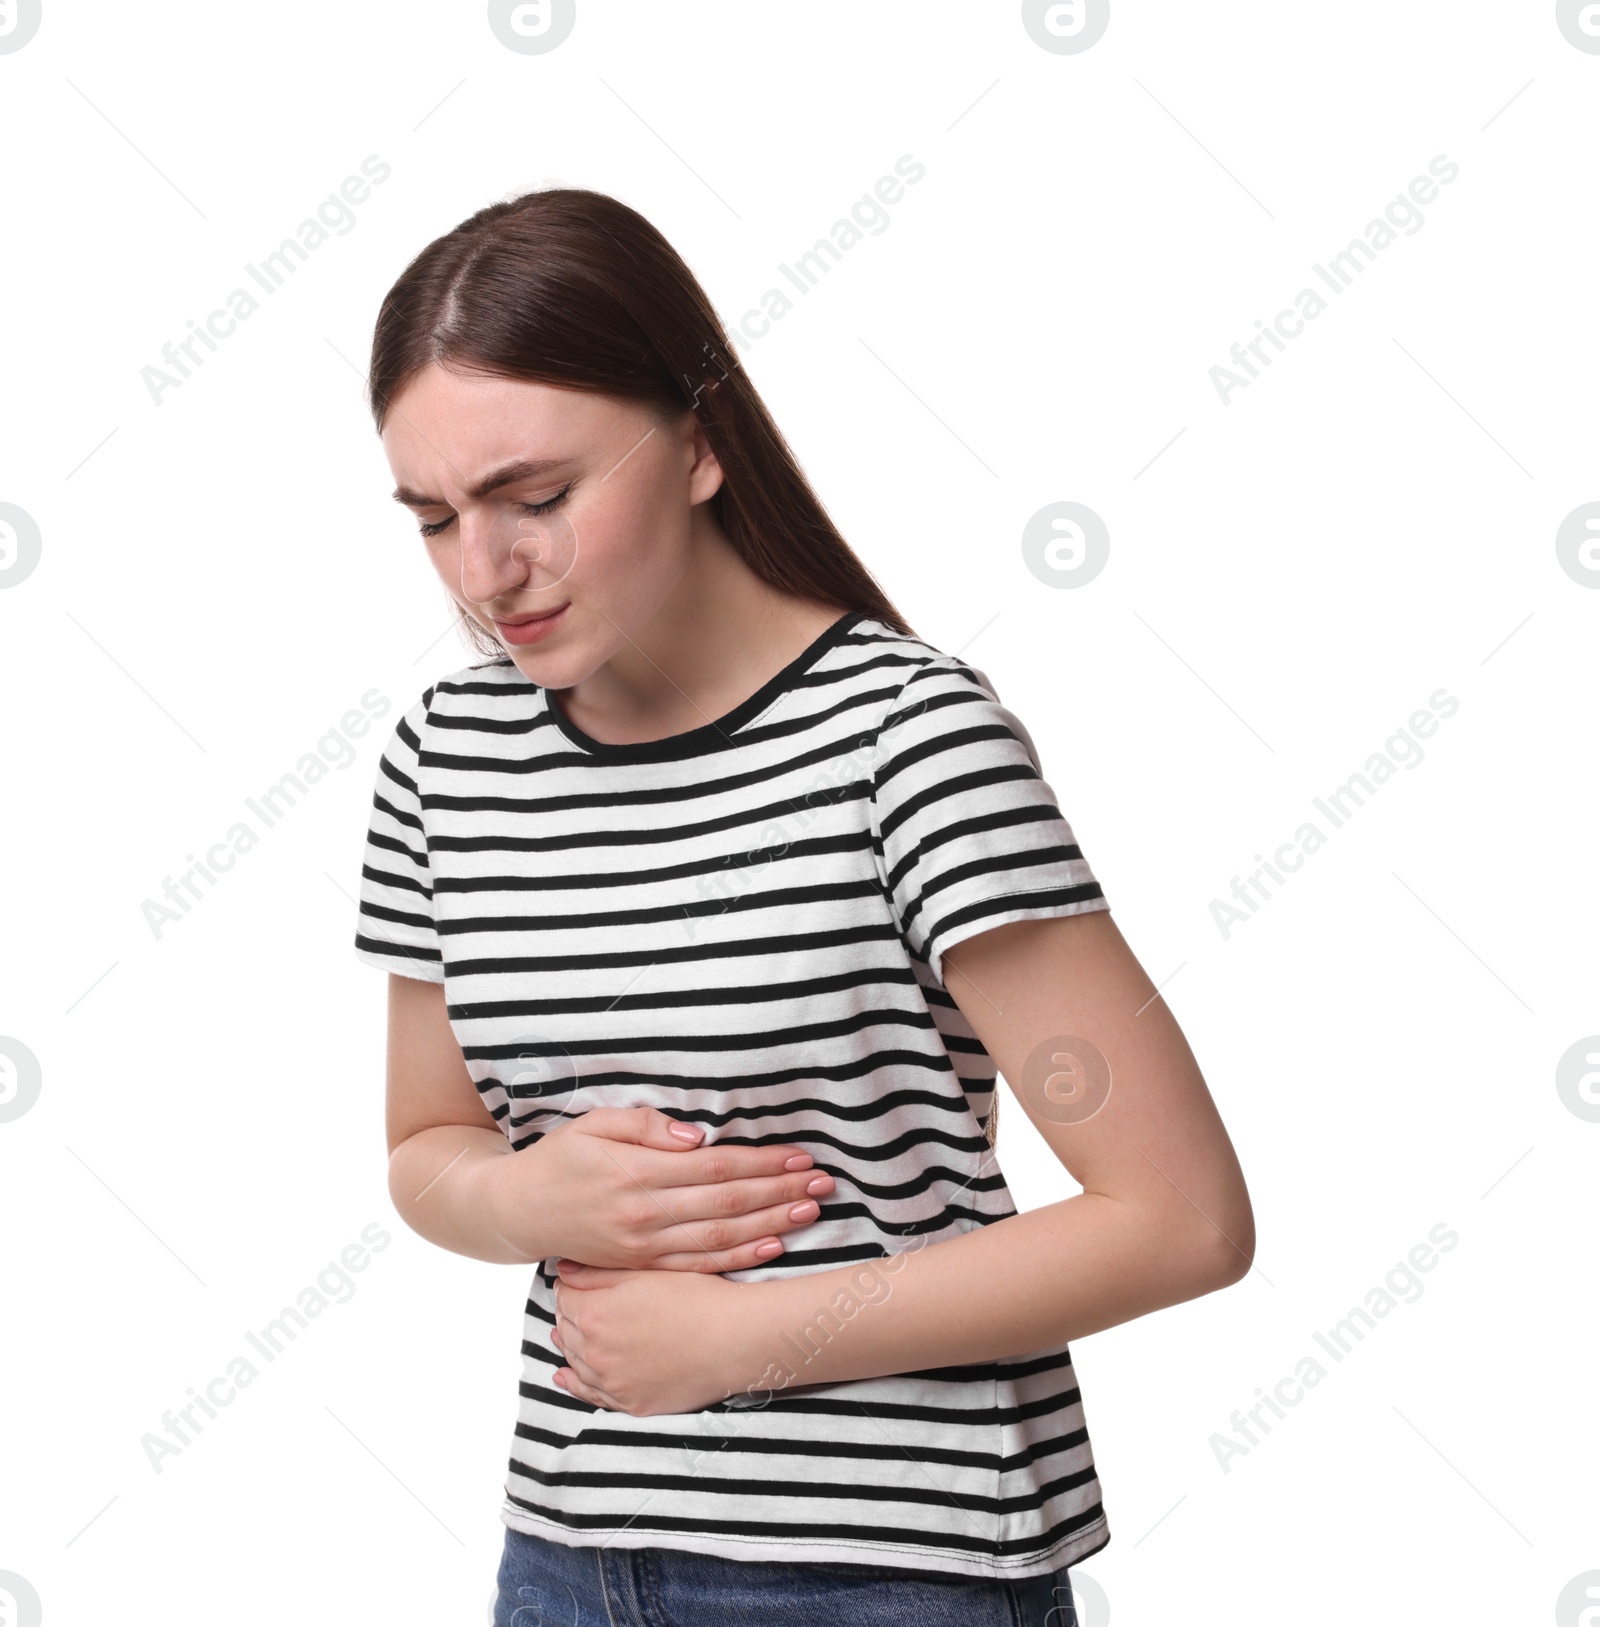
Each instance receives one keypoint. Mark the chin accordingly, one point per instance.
(554, 669)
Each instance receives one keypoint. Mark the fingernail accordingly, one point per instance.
(767, 1250)
(686, 1132)
(803, 1211)
(801, 1160)
(819, 1185)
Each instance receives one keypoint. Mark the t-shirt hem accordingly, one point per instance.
(1071, 1550)
(407, 965)
(951, 937)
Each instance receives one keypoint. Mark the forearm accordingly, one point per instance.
(1017, 1285)
(442, 1182)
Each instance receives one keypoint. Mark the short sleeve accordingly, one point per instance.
(395, 926)
(967, 829)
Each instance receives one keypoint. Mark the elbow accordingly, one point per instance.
(1208, 1244)
(402, 1184)
(1225, 1247)
(396, 1200)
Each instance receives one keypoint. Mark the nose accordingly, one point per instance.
(492, 565)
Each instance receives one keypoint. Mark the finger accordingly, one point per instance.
(586, 1379)
(715, 1262)
(567, 1337)
(716, 1219)
(716, 1165)
(743, 1199)
(643, 1126)
(576, 1274)
(659, 1131)
(569, 1381)
(734, 1243)
(566, 1341)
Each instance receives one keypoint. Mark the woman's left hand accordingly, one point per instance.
(644, 1342)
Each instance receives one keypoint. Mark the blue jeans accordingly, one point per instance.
(548, 1584)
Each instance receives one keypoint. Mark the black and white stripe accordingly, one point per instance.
(744, 925)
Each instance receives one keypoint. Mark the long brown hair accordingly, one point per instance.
(573, 288)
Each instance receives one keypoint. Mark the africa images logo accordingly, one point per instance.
(19, 22)
(1065, 27)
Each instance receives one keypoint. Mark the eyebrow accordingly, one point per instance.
(506, 475)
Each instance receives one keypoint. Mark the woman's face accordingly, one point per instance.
(541, 500)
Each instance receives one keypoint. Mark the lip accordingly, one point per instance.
(529, 628)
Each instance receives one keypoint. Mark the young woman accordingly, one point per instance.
(713, 898)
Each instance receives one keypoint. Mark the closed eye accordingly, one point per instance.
(527, 508)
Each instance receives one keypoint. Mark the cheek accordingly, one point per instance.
(635, 548)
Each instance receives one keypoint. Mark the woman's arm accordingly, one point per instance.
(614, 1184)
(1164, 1215)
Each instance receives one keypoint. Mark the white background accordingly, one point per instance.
(1292, 574)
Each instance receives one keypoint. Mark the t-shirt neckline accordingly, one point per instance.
(716, 735)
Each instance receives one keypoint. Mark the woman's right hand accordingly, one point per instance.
(616, 1187)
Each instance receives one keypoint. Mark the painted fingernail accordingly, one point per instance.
(767, 1250)
(803, 1211)
(801, 1160)
(818, 1184)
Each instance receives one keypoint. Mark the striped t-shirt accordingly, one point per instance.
(743, 925)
